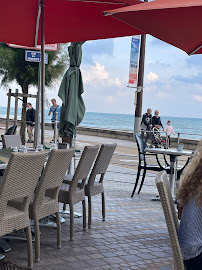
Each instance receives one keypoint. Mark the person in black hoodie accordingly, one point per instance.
(30, 119)
(156, 120)
(146, 124)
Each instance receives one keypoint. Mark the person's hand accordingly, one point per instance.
(150, 125)
(49, 113)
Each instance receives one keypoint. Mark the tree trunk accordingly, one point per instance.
(23, 116)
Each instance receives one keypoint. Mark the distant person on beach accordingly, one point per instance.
(146, 124)
(53, 109)
(30, 119)
(156, 120)
(190, 199)
(169, 130)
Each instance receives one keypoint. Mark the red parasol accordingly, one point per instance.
(177, 22)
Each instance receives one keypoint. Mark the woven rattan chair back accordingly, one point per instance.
(20, 178)
(177, 255)
(102, 162)
(172, 204)
(11, 140)
(83, 168)
(52, 177)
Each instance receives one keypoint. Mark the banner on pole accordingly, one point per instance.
(134, 61)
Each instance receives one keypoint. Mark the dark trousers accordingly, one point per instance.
(194, 263)
(168, 139)
(148, 134)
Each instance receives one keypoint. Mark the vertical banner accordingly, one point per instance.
(134, 61)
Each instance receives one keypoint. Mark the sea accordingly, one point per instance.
(192, 127)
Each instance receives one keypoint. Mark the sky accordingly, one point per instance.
(172, 79)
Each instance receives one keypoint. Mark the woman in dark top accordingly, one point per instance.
(156, 120)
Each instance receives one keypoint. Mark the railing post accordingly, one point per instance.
(8, 108)
(16, 107)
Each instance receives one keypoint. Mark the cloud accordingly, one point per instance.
(195, 60)
(162, 94)
(110, 99)
(98, 47)
(94, 74)
(152, 76)
(197, 98)
(191, 79)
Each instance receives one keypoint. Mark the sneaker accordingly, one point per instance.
(29, 141)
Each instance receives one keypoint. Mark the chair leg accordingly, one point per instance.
(71, 208)
(103, 206)
(58, 230)
(136, 182)
(143, 177)
(37, 240)
(89, 212)
(29, 248)
(84, 214)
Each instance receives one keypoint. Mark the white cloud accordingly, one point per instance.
(110, 99)
(92, 74)
(152, 76)
(197, 98)
(162, 94)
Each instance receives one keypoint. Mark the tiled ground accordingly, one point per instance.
(134, 235)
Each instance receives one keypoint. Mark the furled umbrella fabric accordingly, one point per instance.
(177, 22)
(71, 89)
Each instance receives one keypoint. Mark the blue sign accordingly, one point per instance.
(34, 56)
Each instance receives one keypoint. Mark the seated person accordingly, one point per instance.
(190, 198)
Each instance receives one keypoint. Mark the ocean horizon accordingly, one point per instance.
(125, 122)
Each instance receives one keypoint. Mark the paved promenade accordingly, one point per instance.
(134, 235)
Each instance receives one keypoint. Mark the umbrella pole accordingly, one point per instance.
(42, 70)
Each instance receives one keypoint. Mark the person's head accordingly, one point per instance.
(53, 100)
(29, 106)
(191, 179)
(169, 122)
(156, 112)
(149, 111)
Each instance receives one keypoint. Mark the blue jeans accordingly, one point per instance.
(194, 263)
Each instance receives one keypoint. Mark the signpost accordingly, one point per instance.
(33, 56)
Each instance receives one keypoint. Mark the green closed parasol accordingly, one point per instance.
(71, 89)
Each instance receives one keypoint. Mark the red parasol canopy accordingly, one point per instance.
(65, 21)
(177, 22)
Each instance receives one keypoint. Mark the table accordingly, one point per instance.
(173, 153)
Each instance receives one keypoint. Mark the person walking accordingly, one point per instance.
(146, 124)
(53, 109)
(30, 119)
(189, 198)
(169, 130)
(156, 120)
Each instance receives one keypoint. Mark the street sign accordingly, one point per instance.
(48, 47)
(33, 56)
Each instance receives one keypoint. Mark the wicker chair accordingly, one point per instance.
(72, 190)
(46, 194)
(19, 182)
(11, 140)
(171, 217)
(93, 188)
